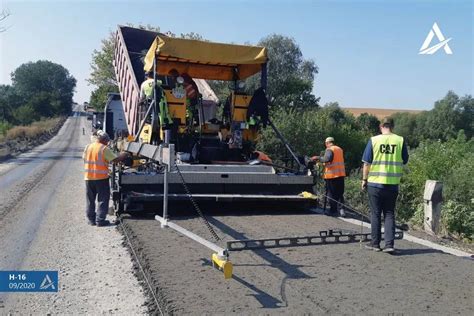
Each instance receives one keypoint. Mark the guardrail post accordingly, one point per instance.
(433, 198)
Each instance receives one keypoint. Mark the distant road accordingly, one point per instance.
(43, 227)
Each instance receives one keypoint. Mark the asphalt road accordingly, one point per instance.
(43, 227)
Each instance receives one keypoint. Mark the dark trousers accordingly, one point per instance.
(335, 193)
(382, 201)
(99, 189)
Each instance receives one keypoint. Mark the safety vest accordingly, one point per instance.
(147, 87)
(335, 168)
(95, 165)
(191, 93)
(387, 163)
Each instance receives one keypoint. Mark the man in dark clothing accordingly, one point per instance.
(383, 158)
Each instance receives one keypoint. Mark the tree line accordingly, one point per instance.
(40, 89)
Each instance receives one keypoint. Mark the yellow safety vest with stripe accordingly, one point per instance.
(95, 165)
(387, 163)
(147, 87)
(335, 168)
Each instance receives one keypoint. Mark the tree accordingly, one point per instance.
(466, 109)
(368, 123)
(3, 15)
(443, 121)
(46, 86)
(9, 100)
(406, 125)
(99, 96)
(290, 76)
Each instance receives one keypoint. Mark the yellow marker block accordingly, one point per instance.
(223, 265)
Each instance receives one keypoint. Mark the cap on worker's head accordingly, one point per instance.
(329, 140)
(173, 72)
(102, 136)
(387, 122)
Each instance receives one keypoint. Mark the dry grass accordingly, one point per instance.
(379, 113)
(32, 131)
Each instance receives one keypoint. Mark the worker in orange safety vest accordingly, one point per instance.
(334, 173)
(97, 157)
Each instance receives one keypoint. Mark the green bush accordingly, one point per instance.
(4, 127)
(450, 162)
(306, 131)
(458, 218)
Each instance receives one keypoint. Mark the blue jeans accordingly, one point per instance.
(99, 189)
(382, 201)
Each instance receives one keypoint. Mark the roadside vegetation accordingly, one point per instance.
(40, 94)
(440, 144)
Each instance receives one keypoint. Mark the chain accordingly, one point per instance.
(196, 206)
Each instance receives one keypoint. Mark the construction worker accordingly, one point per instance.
(97, 157)
(334, 173)
(383, 158)
(147, 89)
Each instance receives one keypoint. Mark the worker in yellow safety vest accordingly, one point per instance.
(334, 173)
(97, 157)
(147, 89)
(384, 157)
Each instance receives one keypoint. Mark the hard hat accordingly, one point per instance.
(102, 136)
(329, 140)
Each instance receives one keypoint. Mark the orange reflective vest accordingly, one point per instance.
(262, 156)
(95, 165)
(335, 168)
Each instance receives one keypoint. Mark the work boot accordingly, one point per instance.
(389, 250)
(374, 248)
(92, 223)
(103, 223)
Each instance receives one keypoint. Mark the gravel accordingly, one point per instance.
(45, 229)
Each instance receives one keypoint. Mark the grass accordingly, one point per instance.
(32, 131)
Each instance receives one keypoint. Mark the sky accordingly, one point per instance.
(367, 51)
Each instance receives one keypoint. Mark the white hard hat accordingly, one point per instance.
(102, 136)
(329, 140)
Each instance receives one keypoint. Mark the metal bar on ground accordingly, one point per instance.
(220, 197)
(325, 237)
(219, 250)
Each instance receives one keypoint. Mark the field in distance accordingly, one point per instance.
(379, 113)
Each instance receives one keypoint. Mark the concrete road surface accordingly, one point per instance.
(43, 227)
(343, 279)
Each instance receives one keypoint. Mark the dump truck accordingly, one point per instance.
(203, 157)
